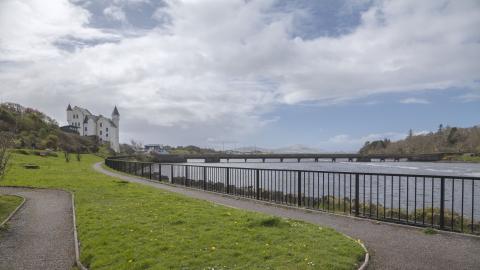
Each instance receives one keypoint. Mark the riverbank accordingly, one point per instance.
(462, 159)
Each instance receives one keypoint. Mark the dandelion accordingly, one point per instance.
(213, 248)
(130, 260)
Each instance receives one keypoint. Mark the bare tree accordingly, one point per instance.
(66, 154)
(6, 141)
(136, 145)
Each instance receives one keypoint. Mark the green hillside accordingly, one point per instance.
(445, 140)
(32, 129)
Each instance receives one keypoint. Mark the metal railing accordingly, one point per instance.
(443, 202)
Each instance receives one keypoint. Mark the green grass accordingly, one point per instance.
(8, 203)
(124, 225)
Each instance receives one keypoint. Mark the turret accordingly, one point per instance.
(116, 116)
(114, 143)
(69, 114)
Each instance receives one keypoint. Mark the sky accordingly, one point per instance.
(328, 74)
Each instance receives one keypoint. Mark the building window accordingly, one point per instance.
(101, 125)
(106, 135)
(100, 132)
(85, 128)
(107, 129)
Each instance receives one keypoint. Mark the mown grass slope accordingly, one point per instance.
(8, 203)
(130, 226)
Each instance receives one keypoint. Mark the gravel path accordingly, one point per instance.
(40, 235)
(390, 246)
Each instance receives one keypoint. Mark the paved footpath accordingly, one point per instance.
(40, 235)
(390, 246)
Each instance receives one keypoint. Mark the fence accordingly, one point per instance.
(443, 202)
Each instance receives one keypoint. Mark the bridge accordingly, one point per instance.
(218, 157)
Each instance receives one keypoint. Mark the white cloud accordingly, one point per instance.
(414, 101)
(218, 66)
(30, 29)
(345, 142)
(470, 97)
(115, 13)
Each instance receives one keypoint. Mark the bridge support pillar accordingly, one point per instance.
(212, 160)
(334, 159)
(316, 159)
(299, 159)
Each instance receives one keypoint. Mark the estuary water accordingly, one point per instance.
(420, 168)
(407, 193)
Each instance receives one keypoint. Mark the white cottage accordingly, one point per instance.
(105, 129)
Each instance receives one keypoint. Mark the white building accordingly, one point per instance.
(105, 129)
(155, 148)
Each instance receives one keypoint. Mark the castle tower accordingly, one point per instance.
(69, 114)
(116, 120)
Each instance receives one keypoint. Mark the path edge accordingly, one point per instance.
(14, 211)
(78, 263)
(363, 266)
(75, 235)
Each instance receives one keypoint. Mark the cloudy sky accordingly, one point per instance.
(328, 74)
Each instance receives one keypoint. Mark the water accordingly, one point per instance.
(393, 192)
(420, 168)
(411, 187)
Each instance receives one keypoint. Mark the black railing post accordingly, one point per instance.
(299, 188)
(171, 173)
(159, 171)
(357, 194)
(257, 183)
(228, 180)
(150, 171)
(442, 202)
(204, 178)
(186, 175)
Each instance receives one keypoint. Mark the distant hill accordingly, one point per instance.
(34, 129)
(292, 149)
(446, 140)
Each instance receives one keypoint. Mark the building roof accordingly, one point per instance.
(96, 118)
(84, 111)
(69, 108)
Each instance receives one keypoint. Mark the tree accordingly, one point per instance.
(79, 156)
(410, 133)
(66, 154)
(137, 146)
(6, 141)
(452, 138)
(440, 128)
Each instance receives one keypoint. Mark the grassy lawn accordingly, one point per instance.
(124, 225)
(7, 205)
